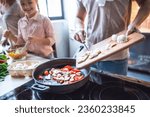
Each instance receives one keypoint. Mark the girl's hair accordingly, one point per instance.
(7, 2)
(37, 4)
(19, 1)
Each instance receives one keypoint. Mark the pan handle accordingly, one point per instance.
(39, 87)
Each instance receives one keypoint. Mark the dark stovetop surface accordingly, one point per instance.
(109, 90)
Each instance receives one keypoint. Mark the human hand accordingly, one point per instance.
(80, 36)
(131, 29)
(32, 44)
(7, 34)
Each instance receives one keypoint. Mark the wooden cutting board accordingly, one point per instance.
(102, 46)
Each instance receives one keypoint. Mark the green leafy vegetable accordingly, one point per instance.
(3, 57)
(3, 67)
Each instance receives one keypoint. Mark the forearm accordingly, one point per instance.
(142, 13)
(12, 37)
(80, 17)
(46, 41)
(52, 40)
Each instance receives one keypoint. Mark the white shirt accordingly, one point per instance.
(103, 21)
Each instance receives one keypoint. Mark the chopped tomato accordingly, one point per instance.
(65, 69)
(75, 70)
(72, 72)
(69, 67)
(46, 72)
(76, 78)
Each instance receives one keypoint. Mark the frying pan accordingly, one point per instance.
(53, 87)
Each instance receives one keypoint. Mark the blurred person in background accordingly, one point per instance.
(11, 13)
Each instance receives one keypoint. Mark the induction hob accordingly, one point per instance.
(111, 90)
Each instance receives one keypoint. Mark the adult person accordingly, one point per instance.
(34, 30)
(11, 13)
(105, 18)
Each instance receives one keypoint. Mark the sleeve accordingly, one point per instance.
(79, 24)
(20, 40)
(49, 31)
(79, 4)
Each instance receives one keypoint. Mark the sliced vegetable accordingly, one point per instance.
(68, 67)
(64, 75)
(3, 57)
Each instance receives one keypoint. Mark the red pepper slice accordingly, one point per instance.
(65, 69)
(2, 61)
(69, 67)
(76, 78)
(75, 70)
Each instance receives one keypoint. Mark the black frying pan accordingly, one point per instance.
(56, 87)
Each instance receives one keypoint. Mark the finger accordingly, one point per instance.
(77, 37)
(84, 33)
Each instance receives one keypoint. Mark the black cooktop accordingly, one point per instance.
(108, 90)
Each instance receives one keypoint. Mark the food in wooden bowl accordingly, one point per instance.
(17, 53)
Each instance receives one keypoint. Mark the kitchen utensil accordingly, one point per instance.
(57, 87)
(132, 39)
(85, 45)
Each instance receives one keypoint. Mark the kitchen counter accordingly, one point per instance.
(139, 75)
(90, 91)
(11, 83)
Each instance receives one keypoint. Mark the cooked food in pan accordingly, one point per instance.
(64, 75)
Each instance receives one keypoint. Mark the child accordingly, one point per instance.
(34, 29)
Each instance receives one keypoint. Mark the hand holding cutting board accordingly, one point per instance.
(106, 52)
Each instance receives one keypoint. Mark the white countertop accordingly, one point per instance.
(11, 83)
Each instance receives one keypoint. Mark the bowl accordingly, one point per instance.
(24, 68)
(17, 54)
